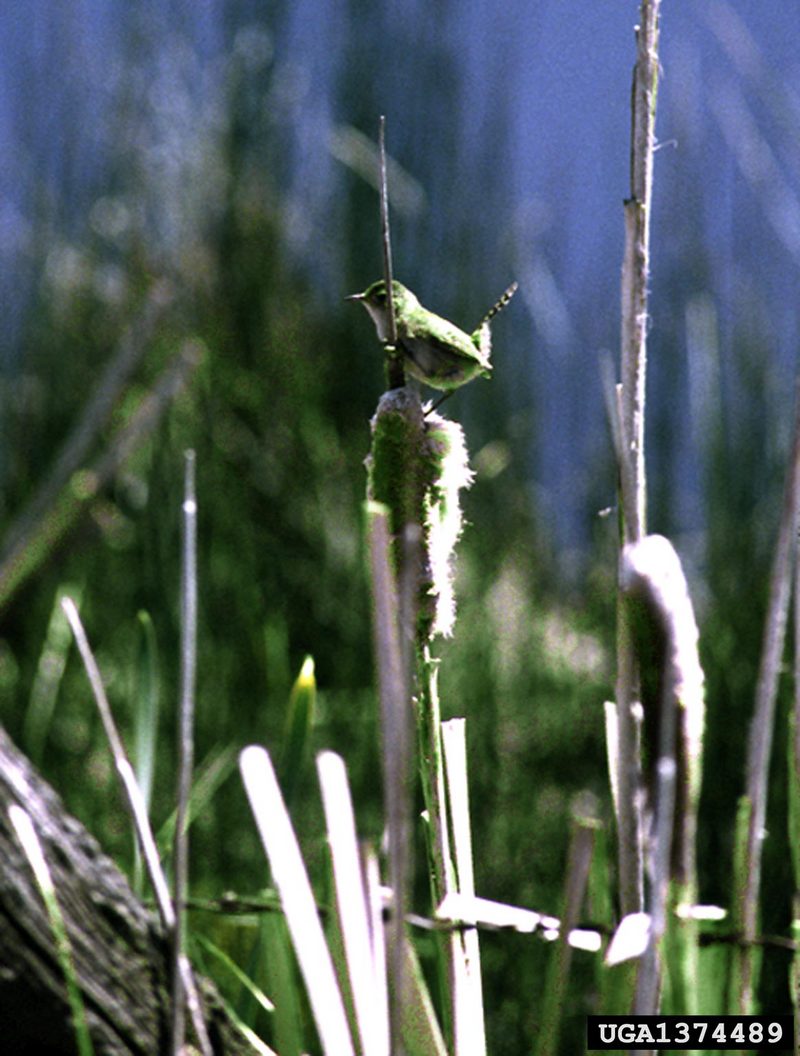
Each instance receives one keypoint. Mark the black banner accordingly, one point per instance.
(701, 1033)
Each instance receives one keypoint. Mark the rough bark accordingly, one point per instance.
(119, 950)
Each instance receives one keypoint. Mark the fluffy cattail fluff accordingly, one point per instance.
(416, 467)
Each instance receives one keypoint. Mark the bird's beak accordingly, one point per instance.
(355, 297)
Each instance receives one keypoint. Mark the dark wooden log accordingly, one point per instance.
(118, 946)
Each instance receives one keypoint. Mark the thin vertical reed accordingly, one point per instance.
(794, 811)
(185, 742)
(396, 374)
(631, 430)
(579, 860)
(636, 260)
(762, 726)
(395, 746)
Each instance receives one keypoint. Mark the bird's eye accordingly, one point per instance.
(380, 297)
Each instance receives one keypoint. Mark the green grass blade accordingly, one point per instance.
(147, 706)
(421, 1033)
(279, 969)
(49, 672)
(33, 850)
(714, 966)
(299, 722)
(214, 771)
(247, 983)
(744, 977)
(230, 965)
(680, 952)
(145, 720)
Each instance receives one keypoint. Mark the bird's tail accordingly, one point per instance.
(498, 305)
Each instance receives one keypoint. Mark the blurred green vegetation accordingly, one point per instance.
(278, 412)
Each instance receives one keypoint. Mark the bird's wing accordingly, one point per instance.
(443, 335)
